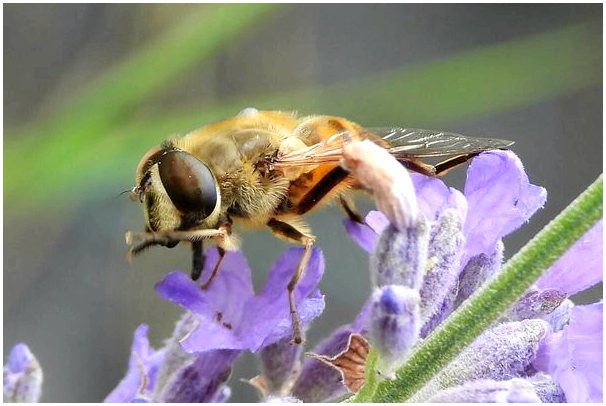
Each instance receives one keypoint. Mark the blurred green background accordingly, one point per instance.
(89, 88)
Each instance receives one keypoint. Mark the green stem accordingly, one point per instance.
(486, 305)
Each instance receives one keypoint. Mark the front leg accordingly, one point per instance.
(287, 231)
(137, 242)
(199, 258)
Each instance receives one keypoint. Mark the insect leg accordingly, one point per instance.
(167, 238)
(350, 208)
(287, 231)
(137, 249)
(444, 167)
(198, 259)
(162, 236)
(440, 169)
(215, 269)
(416, 165)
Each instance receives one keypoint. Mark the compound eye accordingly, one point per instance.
(189, 183)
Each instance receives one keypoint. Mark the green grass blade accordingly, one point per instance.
(115, 95)
(469, 84)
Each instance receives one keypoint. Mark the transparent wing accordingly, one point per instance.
(403, 143)
(419, 143)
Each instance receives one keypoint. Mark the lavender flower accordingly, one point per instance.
(221, 322)
(319, 382)
(393, 325)
(22, 376)
(431, 251)
(547, 389)
(489, 391)
(572, 353)
(143, 365)
(171, 375)
(444, 255)
(503, 352)
(536, 303)
(580, 267)
(498, 199)
(231, 316)
(573, 356)
(280, 365)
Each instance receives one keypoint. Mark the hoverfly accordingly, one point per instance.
(268, 168)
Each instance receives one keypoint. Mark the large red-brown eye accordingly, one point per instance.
(188, 182)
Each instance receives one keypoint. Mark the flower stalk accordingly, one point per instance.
(493, 299)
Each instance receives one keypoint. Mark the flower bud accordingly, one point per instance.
(400, 256)
(503, 352)
(547, 389)
(560, 316)
(201, 380)
(536, 303)
(478, 270)
(319, 382)
(489, 391)
(282, 399)
(22, 376)
(393, 325)
(442, 270)
(280, 363)
(174, 356)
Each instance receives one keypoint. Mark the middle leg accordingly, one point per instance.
(287, 231)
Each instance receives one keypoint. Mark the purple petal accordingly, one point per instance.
(219, 308)
(22, 376)
(19, 358)
(560, 317)
(180, 289)
(367, 235)
(573, 356)
(433, 197)
(580, 267)
(361, 320)
(267, 317)
(284, 269)
(212, 334)
(361, 234)
(500, 199)
(232, 318)
(143, 362)
(377, 221)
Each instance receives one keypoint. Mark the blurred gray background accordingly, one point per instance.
(68, 291)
